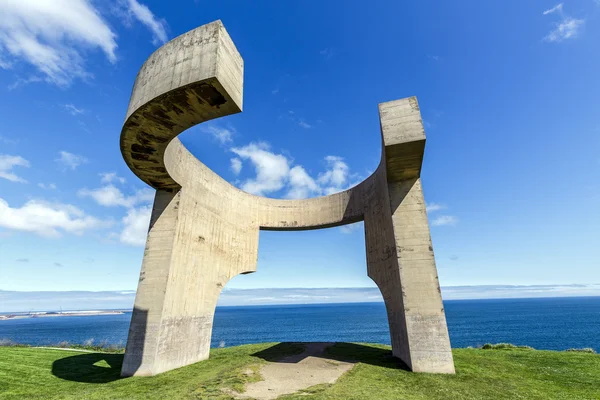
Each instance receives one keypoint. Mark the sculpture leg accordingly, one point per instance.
(400, 260)
(191, 253)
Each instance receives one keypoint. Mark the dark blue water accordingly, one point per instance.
(553, 324)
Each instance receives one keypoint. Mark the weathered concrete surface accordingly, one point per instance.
(204, 231)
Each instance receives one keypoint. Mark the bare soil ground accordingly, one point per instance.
(294, 373)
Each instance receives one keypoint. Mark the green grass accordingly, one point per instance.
(502, 372)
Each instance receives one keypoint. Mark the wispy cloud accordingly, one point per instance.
(304, 124)
(49, 186)
(51, 36)
(444, 220)
(140, 12)
(71, 109)
(223, 135)
(432, 207)
(109, 177)
(5, 140)
(441, 220)
(70, 160)
(567, 28)
(22, 260)
(7, 163)
(301, 122)
(351, 228)
(24, 81)
(557, 8)
(327, 53)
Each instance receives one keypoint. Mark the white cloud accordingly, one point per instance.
(274, 172)
(336, 177)
(556, 8)
(109, 177)
(222, 135)
(47, 219)
(52, 36)
(7, 163)
(73, 110)
(236, 165)
(50, 186)
(137, 219)
(301, 184)
(271, 169)
(111, 196)
(566, 28)
(304, 124)
(70, 160)
(143, 14)
(444, 220)
(431, 207)
(136, 224)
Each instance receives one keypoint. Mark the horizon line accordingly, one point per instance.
(329, 287)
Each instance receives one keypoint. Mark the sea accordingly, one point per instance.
(547, 323)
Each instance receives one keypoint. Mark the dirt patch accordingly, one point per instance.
(294, 373)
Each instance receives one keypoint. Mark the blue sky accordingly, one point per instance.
(509, 93)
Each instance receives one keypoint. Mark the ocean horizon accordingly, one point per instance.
(130, 309)
(556, 323)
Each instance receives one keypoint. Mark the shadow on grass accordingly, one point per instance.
(348, 352)
(89, 368)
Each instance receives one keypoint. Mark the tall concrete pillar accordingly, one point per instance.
(204, 231)
(400, 259)
(193, 250)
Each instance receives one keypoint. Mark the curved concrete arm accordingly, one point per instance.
(197, 77)
(194, 78)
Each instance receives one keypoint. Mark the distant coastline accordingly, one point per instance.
(21, 302)
(49, 314)
(542, 323)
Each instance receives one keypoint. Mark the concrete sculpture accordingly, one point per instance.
(203, 231)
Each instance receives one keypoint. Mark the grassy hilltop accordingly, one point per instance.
(36, 373)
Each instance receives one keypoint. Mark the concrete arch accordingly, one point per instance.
(204, 231)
